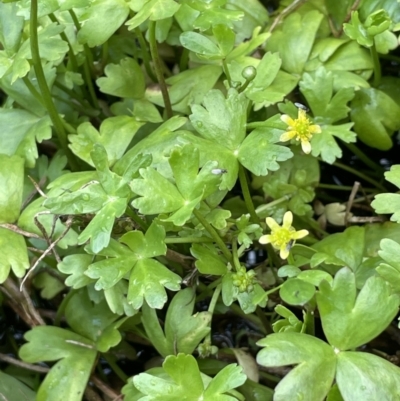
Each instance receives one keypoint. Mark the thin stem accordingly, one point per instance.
(247, 196)
(364, 158)
(144, 54)
(46, 94)
(33, 90)
(274, 289)
(183, 62)
(208, 289)
(117, 370)
(359, 174)
(261, 209)
(61, 308)
(264, 321)
(236, 262)
(187, 240)
(342, 187)
(214, 298)
(86, 65)
(158, 68)
(377, 65)
(214, 235)
(141, 223)
(226, 71)
(64, 37)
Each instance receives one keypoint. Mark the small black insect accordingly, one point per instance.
(301, 106)
(219, 171)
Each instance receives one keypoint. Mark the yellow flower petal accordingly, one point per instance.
(300, 234)
(272, 224)
(284, 253)
(265, 239)
(306, 146)
(287, 119)
(315, 129)
(287, 219)
(287, 136)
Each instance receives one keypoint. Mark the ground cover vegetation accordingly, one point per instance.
(199, 200)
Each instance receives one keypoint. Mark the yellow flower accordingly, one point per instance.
(282, 238)
(301, 129)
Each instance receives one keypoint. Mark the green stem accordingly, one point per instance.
(158, 68)
(33, 90)
(291, 259)
(364, 158)
(61, 308)
(261, 209)
(141, 223)
(359, 174)
(217, 239)
(377, 65)
(208, 289)
(45, 91)
(64, 37)
(274, 289)
(264, 321)
(214, 298)
(247, 196)
(187, 240)
(117, 370)
(86, 65)
(255, 124)
(145, 54)
(184, 60)
(342, 187)
(226, 71)
(236, 262)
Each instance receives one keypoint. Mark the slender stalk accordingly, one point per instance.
(214, 298)
(33, 90)
(141, 223)
(158, 68)
(46, 94)
(264, 321)
(226, 71)
(144, 54)
(117, 370)
(342, 187)
(187, 240)
(205, 292)
(261, 209)
(359, 174)
(236, 262)
(86, 65)
(274, 289)
(377, 65)
(214, 235)
(247, 196)
(364, 158)
(64, 37)
(183, 62)
(61, 308)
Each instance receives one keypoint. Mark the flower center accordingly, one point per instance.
(281, 237)
(302, 128)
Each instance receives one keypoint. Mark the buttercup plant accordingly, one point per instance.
(159, 229)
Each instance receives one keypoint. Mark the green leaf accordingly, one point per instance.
(313, 357)
(296, 292)
(355, 30)
(294, 40)
(11, 187)
(154, 10)
(51, 46)
(208, 261)
(183, 330)
(192, 186)
(75, 266)
(12, 389)
(101, 20)
(92, 320)
(184, 381)
(147, 282)
(19, 132)
(258, 152)
(390, 271)
(14, 254)
(221, 120)
(349, 321)
(327, 107)
(76, 354)
(52, 225)
(367, 377)
(325, 145)
(389, 203)
(122, 127)
(376, 116)
(201, 45)
(124, 80)
(11, 27)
